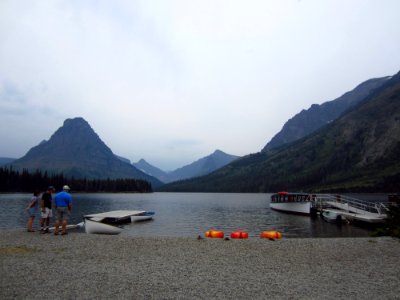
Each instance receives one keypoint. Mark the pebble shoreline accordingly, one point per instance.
(82, 266)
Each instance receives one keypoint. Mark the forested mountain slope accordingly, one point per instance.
(357, 152)
(317, 116)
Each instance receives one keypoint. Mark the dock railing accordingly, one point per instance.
(349, 204)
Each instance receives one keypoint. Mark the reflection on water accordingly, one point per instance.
(187, 214)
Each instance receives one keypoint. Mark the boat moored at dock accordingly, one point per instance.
(295, 203)
(332, 208)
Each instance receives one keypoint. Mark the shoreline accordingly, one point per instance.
(86, 266)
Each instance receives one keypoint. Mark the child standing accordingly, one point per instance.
(32, 210)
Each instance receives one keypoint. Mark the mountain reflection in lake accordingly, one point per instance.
(186, 214)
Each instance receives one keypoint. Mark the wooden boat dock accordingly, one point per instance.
(351, 208)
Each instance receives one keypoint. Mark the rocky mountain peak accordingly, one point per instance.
(76, 150)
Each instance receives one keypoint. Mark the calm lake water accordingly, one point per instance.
(187, 214)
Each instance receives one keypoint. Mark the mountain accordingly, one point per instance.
(76, 150)
(123, 159)
(149, 169)
(6, 160)
(310, 120)
(357, 152)
(200, 167)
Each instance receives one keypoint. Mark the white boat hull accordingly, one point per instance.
(72, 226)
(95, 227)
(142, 217)
(302, 208)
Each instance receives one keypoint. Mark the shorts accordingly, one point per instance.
(32, 212)
(62, 213)
(47, 213)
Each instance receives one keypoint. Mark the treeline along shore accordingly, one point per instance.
(25, 181)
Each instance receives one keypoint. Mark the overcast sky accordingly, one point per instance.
(172, 81)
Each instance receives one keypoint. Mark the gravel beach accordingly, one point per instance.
(82, 266)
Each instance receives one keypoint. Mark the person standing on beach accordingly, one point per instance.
(63, 201)
(32, 208)
(46, 210)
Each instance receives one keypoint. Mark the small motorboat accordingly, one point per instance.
(144, 216)
(333, 216)
(94, 226)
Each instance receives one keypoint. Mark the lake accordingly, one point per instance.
(187, 214)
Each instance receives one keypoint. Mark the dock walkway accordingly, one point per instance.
(351, 208)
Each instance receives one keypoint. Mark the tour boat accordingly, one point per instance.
(295, 203)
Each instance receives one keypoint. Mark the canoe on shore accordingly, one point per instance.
(145, 216)
(71, 226)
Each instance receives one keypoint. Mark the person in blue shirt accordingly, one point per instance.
(63, 203)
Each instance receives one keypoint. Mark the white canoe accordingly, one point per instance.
(71, 226)
(145, 216)
(95, 227)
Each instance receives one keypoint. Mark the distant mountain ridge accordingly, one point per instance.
(76, 150)
(358, 152)
(149, 169)
(310, 120)
(200, 167)
(6, 160)
(123, 159)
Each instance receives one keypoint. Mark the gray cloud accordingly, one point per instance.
(150, 75)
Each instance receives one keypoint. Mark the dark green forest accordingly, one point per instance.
(25, 181)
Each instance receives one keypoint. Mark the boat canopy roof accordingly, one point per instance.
(290, 193)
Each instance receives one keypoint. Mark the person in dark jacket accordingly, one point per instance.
(46, 213)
